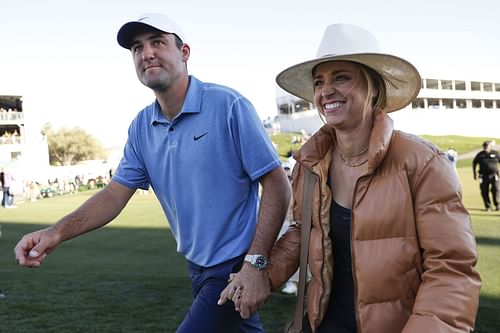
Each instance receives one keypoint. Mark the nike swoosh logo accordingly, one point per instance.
(196, 138)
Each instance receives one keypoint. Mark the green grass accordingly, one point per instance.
(461, 144)
(127, 277)
(284, 143)
(486, 227)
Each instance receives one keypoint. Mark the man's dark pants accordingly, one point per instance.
(490, 182)
(205, 315)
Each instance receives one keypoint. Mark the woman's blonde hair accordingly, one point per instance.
(375, 82)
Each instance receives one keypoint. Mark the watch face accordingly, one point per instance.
(260, 262)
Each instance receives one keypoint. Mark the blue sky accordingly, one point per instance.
(62, 56)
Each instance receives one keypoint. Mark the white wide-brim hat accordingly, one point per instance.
(345, 42)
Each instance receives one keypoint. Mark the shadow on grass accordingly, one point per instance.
(124, 280)
(488, 241)
(109, 280)
(487, 318)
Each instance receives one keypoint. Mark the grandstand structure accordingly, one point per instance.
(24, 150)
(444, 106)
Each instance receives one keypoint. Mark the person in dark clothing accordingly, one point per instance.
(2, 177)
(488, 160)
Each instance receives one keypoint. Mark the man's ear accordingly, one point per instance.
(186, 52)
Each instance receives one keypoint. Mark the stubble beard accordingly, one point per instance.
(157, 84)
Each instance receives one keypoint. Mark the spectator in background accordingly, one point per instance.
(452, 156)
(7, 179)
(2, 177)
(34, 190)
(488, 160)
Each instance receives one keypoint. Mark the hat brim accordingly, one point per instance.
(129, 30)
(401, 78)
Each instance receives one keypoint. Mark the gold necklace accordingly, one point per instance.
(356, 154)
(354, 165)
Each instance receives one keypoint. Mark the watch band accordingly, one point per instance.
(258, 261)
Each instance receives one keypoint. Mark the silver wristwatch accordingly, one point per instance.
(258, 261)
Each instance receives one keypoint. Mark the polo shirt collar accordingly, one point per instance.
(192, 102)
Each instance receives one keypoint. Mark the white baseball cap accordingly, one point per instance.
(152, 21)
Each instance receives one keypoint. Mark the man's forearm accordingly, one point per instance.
(274, 203)
(94, 213)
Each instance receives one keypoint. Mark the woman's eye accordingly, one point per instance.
(317, 83)
(342, 78)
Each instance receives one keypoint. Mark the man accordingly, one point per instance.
(452, 156)
(2, 181)
(203, 150)
(7, 180)
(488, 160)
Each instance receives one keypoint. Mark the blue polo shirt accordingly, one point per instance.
(204, 167)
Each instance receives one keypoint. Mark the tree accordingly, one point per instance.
(71, 145)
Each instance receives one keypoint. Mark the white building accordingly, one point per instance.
(444, 106)
(23, 148)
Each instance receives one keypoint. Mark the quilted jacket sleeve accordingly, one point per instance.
(285, 255)
(448, 297)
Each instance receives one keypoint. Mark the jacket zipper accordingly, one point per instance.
(353, 259)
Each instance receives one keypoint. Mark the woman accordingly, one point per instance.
(391, 246)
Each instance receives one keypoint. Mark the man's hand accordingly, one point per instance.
(98, 210)
(248, 289)
(34, 247)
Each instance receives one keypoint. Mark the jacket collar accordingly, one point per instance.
(323, 142)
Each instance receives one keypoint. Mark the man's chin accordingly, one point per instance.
(154, 85)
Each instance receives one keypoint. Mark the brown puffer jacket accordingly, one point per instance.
(413, 250)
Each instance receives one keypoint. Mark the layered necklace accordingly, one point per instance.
(353, 165)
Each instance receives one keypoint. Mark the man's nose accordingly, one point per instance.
(147, 52)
